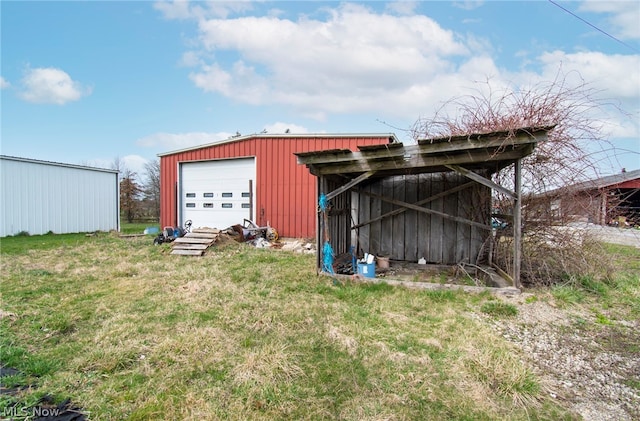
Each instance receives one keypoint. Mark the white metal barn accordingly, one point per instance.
(40, 196)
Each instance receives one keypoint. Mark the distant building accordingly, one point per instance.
(40, 196)
(613, 199)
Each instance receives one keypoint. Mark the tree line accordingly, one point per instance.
(139, 195)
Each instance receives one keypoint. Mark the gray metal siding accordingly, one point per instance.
(38, 197)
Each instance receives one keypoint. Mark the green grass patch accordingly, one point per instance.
(633, 383)
(137, 227)
(128, 331)
(567, 294)
(499, 309)
(22, 244)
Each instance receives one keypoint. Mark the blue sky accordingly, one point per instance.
(85, 82)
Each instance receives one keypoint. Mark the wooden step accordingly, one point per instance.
(192, 240)
(188, 252)
(186, 246)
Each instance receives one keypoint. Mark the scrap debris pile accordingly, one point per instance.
(253, 234)
(194, 242)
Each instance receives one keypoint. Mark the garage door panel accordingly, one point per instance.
(216, 194)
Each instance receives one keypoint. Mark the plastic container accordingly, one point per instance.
(368, 270)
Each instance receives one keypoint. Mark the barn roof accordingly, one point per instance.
(490, 151)
(608, 181)
(392, 138)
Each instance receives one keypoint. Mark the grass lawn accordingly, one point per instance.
(129, 332)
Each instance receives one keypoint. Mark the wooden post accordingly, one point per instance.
(322, 186)
(517, 223)
(602, 220)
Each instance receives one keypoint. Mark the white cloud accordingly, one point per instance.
(353, 61)
(190, 59)
(623, 16)
(3, 83)
(51, 86)
(614, 79)
(173, 141)
(185, 9)
(468, 4)
(279, 127)
(610, 73)
(166, 142)
(136, 164)
(402, 7)
(178, 9)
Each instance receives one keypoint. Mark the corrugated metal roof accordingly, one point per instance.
(610, 180)
(488, 151)
(57, 164)
(483, 136)
(391, 136)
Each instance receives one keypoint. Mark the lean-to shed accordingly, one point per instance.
(41, 196)
(431, 200)
(255, 177)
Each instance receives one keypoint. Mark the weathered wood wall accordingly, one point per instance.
(339, 219)
(411, 235)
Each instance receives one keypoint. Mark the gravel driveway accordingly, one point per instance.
(591, 368)
(585, 366)
(624, 236)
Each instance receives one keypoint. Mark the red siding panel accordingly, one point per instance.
(629, 184)
(285, 192)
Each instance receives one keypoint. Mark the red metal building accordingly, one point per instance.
(255, 177)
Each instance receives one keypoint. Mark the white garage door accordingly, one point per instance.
(216, 194)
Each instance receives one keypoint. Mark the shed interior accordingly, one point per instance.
(428, 202)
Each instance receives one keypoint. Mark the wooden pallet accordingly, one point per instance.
(196, 242)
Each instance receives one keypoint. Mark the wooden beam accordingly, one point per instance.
(482, 180)
(350, 184)
(418, 203)
(431, 211)
(517, 224)
(419, 161)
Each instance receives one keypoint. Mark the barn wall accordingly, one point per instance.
(411, 235)
(38, 197)
(285, 192)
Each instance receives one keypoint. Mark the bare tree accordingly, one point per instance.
(560, 161)
(152, 188)
(564, 158)
(119, 165)
(130, 193)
